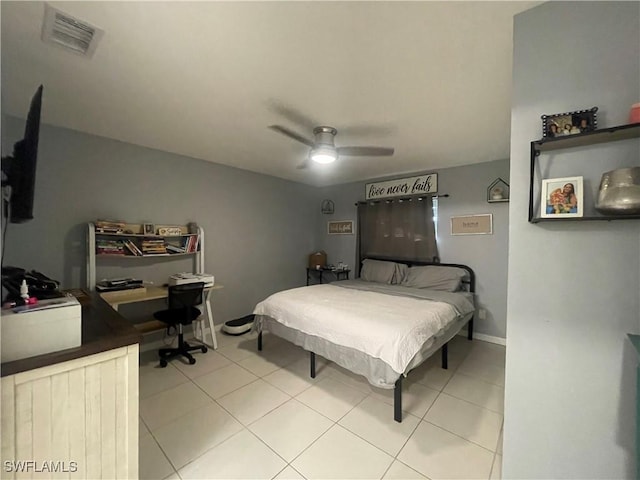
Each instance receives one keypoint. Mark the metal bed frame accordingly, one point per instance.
(470, 284)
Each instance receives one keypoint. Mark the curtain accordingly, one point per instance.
(400, 229)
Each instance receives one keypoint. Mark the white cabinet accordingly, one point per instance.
(79, 417)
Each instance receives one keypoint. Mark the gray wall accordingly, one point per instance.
(258, 229)
(486, 254)
(573, 286)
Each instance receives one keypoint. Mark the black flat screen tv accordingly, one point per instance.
(20, 169)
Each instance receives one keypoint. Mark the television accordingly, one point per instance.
(19, 170)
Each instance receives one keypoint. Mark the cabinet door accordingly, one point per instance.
(82, 414)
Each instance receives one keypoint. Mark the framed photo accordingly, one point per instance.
(472, 224)
(569, 123)
(342, 227)
(148, 229)
(562, 197)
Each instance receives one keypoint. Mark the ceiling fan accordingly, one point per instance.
(323, 149)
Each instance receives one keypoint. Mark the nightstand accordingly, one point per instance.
(319, 274)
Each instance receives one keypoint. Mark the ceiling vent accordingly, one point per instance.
(72, 34)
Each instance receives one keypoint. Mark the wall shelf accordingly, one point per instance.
(130, 244)
(612, 134)
(605, 135)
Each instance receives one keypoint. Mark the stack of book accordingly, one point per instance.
(109, 226)
(153, 247)
(109, 247)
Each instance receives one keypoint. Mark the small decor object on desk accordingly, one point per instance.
(569, 123)
(562, 197)
(498, 191)
(148, 229)
(317, 260)
(620, 192)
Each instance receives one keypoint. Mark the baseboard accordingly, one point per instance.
(485, 338)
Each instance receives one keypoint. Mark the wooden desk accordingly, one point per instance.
(121, 297)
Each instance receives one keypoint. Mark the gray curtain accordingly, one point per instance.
(401, 229)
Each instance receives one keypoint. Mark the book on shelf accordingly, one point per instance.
(109, 226)
(191, 244)
(174, 249)
(132, 247)
(153, 247)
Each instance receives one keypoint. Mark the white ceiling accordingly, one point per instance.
(205, 79)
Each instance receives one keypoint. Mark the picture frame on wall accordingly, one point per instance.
(340, 227)
(481, 224)
(562, 197)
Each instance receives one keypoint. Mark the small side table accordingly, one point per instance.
(339, 274)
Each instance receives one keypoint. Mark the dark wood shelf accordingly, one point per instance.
(605, 135)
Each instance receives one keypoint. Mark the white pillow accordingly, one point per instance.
(378, 271)
(435, 277)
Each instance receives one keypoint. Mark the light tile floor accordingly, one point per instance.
(240, 413)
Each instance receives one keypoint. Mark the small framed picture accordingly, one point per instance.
(472, 224)
(562, 197)
(569, 123)
(342, 227)
(149, 228)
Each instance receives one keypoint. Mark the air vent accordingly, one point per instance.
(72, 34)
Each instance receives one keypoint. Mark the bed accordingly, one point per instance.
(382, 325)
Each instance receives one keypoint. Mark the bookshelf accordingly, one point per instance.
(109, 241)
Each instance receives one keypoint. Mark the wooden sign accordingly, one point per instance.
(403, 187)
(342, 227)
(472, 225)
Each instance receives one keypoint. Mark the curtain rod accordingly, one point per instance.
(444, 195)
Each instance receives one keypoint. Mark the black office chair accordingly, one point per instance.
(182, 311)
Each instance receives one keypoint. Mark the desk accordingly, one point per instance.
(121, 297)
(338, 273)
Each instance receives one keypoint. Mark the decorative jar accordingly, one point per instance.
(620, 192)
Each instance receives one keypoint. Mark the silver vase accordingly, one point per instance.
(620, 192)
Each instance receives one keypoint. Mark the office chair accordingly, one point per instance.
(182, 311)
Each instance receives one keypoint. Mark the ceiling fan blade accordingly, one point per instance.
(291, 114)
(291, 134)
(365, 151)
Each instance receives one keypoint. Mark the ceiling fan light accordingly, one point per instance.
(324, 155)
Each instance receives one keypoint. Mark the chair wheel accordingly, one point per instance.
(163, 363)
(204, 349)
(192, 361)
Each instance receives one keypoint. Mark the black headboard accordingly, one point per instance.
(469, 282)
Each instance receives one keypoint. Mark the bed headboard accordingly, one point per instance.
(469, 282)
